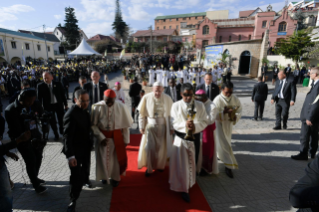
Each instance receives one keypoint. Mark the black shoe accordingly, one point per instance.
(203, 173)
(88, 184)
(42, 182)
(71, 207)
(185, 197)
(229, 172)
(312, 156)
(40, 189)
(277, 128)
(259, 119)
(299, 157)
(284, 127)
(160, 170)
(104, 182)
(254, 119)
(56, 137)
(147, 174)
(114, 183)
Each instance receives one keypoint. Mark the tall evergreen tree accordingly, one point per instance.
(71, 27)
(119, 26)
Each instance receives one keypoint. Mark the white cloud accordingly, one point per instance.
(96, 10)
(136, 12)
(104, 28)
(7, 13)
(261, 2)
(58, 16)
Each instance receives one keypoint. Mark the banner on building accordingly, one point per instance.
(1, 48)
(213, 55)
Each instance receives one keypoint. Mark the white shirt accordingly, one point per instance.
(281, 95)
(54, 101)
(119, 95)
(98, 91)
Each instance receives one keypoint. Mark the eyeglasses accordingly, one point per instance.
(186, 94)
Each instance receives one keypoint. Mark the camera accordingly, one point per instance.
(32, 122)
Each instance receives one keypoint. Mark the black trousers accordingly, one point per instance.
(57, 109)
(259, 106)
(305, 193)
(80, 174)
(33, 159)
(228, 76)
(66, 90)
(282, 110)
(305, 134)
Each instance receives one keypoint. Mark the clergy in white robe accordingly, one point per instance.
(159, 75)
(225, 103)
(154, 121)
(165, 77)
(111, 120)
(186, 155)
(151, 76)
(120, 95)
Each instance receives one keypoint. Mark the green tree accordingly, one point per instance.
(294, 46)
(71, 27)
(119, 26)
(225, 58)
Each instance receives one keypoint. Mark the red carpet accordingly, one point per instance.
(137, 193)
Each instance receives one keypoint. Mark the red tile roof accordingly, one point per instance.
(99, 37)
(246, 13)
(160, 32)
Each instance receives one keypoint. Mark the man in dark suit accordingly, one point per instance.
(95, 88)
(82, 82)
(264, 70)
(211, 89)
(52, 96)
(288, 71)
(179, 85)
(78, 144)
(309, 120)
(284, 95)
(259, 96)
(65, 82)
(305, 193)
(171, 90)
(134, 93)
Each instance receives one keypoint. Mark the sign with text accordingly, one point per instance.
(213, 55)
(281, 33)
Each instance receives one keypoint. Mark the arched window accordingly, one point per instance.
(282, 27)
(226, 51)
(249, 37)
(229, 38)
(239, 37)
(220, 39)
(206, 30)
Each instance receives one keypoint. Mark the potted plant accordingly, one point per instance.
(124, 73)
(131, 78)
(144, 82)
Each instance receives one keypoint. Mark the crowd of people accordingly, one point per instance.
(184, 125)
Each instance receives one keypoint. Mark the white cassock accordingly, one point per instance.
(179, 75)
(215, 75)
(156, 143)
(224, 129)
(165, 78)
(194, 75)
(186, 76)
(201, 76)
(109, 118)
(120, 95)
(172, 74)
(151, 77)
(182, 166)
(159, 75)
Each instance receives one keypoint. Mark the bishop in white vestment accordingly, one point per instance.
(111, 120)
(154, 121)
(225, 103)
(186, 155)
(151, 75)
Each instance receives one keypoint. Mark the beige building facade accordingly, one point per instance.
(14, 46)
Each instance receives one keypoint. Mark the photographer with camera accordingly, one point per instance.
(22, 115)
(24, 84)
(5, 187)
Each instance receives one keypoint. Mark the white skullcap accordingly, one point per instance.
(157, 84)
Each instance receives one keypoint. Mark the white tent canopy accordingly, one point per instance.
(84, 49)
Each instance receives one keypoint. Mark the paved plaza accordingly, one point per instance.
(262, 183)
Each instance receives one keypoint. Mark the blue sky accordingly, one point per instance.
(96, 16)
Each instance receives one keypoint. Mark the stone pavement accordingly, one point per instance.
(262, 182)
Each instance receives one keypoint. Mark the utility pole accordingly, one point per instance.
(151, 42)
(46, 47)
